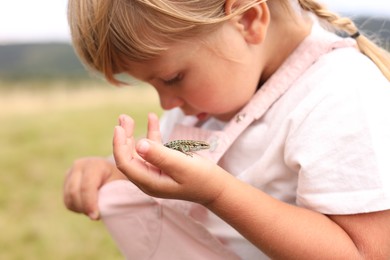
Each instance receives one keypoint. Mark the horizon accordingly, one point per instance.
(37, 29)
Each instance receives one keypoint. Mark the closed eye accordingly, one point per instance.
(176, 79)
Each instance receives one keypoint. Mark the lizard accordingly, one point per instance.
(187, 146)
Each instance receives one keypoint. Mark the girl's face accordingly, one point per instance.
(213, 77)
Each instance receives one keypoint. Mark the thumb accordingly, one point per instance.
(165, 159)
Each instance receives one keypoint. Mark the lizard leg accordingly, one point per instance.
(185, 149)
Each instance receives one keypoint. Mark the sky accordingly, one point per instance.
(45, 20)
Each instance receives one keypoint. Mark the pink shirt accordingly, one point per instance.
(317, 135)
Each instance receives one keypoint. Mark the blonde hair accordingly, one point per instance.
(107, 34)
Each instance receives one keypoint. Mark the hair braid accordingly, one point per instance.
(378, 55)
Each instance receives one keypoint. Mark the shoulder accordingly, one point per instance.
(346, 67)
(340, 79)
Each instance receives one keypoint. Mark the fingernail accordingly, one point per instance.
(121, 119)
(152, 115)
(94, 215)
(143, 147)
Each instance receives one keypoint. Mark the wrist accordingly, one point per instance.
(226, 185)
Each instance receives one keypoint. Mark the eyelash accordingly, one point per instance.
(174, 80)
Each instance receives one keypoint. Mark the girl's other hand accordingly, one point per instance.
(83, 182)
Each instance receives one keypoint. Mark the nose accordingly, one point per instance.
(169, 101)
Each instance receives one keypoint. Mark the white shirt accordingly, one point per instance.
(316, 135)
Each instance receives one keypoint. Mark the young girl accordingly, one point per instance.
(296, 118)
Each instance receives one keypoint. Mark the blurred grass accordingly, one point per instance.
(42, 131)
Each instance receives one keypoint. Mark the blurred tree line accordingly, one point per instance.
(40, 61)
(47, 61)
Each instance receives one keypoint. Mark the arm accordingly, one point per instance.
(284, 231)
(279, 229)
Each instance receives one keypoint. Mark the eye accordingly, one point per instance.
(173, 80)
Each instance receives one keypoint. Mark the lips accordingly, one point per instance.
(202, 116)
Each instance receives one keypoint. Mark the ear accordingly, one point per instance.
(253, 23)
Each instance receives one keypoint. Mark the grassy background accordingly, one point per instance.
(43, 129)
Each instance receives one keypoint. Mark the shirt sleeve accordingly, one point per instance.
(340, 145)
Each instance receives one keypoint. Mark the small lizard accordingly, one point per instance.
(187, 146)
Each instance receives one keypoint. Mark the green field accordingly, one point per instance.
(43, 129)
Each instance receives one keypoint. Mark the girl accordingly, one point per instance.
(295, 117)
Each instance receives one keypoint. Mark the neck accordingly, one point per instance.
(283, 38)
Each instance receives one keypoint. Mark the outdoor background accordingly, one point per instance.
(52, 112)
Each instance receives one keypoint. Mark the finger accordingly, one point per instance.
(71, 195)
(123, 147)
(127, 123)
(89, 187)
(123, 138)
(153, 128)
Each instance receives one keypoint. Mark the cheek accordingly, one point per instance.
(212, 99)
(202, 95)
(220, 92)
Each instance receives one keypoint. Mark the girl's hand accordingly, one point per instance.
(162, 172)
(83, 182)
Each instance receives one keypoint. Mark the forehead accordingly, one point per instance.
(176, 56)
(181, 54)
